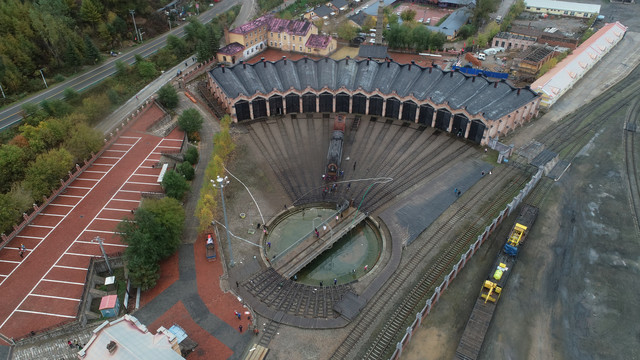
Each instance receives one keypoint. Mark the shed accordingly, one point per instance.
(109, 306)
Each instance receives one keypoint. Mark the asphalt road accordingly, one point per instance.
(12, 114)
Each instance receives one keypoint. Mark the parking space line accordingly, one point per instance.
(63, 282)
(61, 204)
(44, 313)
(75, 196)
(131, 191)
(89, 179)
(79, 187)
(110, 157)
(104, 243)
(114, 209)
(43, 214)
(42, 226)
(125, 200)
(105, 219)
(141, 183)
(30, 237)
(70, 267)
(55, 297)
(155, 176)
(10, 261)
(96, 172)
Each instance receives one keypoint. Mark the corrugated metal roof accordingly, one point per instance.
(569, 70)
(563, 6)
(478, 95)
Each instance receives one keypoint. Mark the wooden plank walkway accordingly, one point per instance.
(311, 247)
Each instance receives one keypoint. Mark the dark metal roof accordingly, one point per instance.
(373, 51)
(477, 94)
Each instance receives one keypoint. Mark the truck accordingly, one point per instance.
(211, 247)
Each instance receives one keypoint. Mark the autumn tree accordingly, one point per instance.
(44, 174)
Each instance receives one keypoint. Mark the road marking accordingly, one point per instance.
(43, 226)
(104, 219)
(143, 175)
(62, 282)
(55, 297)
(61, 204)
(141, 183)
(10, 262)
(137, 201)
(96, 172)
(79, 187)
(133, 191)
(70, 267)
(110, 157)
(116, 150)
(100, 164)
(88, 179)
(104, 243)
(43, 214)
(30, 237)
(42, 313)
(114, 209)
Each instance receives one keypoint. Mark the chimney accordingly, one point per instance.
(222, 67)
(368, 59)
(244, 66)
(430, 69)
(473, 79)
(347, 60)
(495, 85)
(388, 63)
(326, 59)
(412, 63)
(305, 59)
(386, 58)
(518, 91)
(450, 73)
(264, 63)
(285, 59)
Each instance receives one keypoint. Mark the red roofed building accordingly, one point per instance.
(247, 40)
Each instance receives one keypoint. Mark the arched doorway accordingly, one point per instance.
(393, 108)
(476, 132)
(375, 105)
(259, 106)
(426, 115)
(460, 122)
(242, 110)
(442, 119)
(275, 105)
(309, 103)
(326, 102)
(293, 103)
(342, 102)
(409, 109)
(359, 105)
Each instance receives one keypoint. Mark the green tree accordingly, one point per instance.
(408, 15)
(346, 31)
(186, 170)
(164, 58)
(91, 11)
(153, 235)
(437, 40)
(178, 46)
(12, 165)
(190, 121)
(369, 23)
(420, 36)
(192, 155)
(122, 69)
(91, 53)
(71, 96)
(466, 31)
(482, 10)
(44, 174)
(174, 185)
(168, 97)
(147, 70)
(95, 106)
(72, 56)
(12, 205)
(203, 52)
(83, 141)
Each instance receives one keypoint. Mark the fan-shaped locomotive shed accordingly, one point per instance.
(468, 106)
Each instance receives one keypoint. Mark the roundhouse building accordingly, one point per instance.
(470, 107)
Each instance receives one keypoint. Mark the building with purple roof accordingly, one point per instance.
(247, 40)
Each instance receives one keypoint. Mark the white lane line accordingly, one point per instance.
(74, 196)
(116, 150)
(132, 191)
(104, 243)
(137, 201)
(96, 172)
(171, 147)
(61, 204)
(147, 175)
(43, 313)
(79, 187)
(100, 164)
(171, 140)
(30, 237)
(10, 261)
(87, 179)
(55, 297)
(116, 220)
(61, 282)
(110, 157)
(72, 267)
(43, 226)
(125, 210)
(129, 137)
(141, 183)
(102, 231)
(43, 214)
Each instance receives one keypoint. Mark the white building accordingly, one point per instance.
(563, 76)
(562, 8)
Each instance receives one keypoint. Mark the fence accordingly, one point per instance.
(420, 316)
(76, 171)
(199, 69)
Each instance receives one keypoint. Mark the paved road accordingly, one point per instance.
(11, 114)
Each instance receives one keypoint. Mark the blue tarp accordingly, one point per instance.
(178, 332)
(510, 250)
(476, 72)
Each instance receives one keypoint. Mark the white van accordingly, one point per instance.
(481, 56)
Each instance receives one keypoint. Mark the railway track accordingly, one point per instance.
(628, 141)
(395, 324)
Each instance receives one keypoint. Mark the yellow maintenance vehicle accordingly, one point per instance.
(478, 324)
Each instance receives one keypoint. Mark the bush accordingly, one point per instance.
(186, 169)
(168, 97)
(192, 155)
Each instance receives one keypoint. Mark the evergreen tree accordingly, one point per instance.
(91, 53)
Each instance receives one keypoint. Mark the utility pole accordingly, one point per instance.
(1, 89)
(43, 79)
(98, 239)
(134, 21)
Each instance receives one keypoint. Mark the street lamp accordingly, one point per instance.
(43, 79)
(99, 240)
(132, 12)
(221, 183)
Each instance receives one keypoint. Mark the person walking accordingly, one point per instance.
(348, 186)
(335, 281)
(240, 328)
(70, 344)
(354, 165)
(268, 245)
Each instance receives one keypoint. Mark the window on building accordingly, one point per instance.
(224, 58)
(285, 37)
(566, 12)
(278, 36)
(300, 47)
